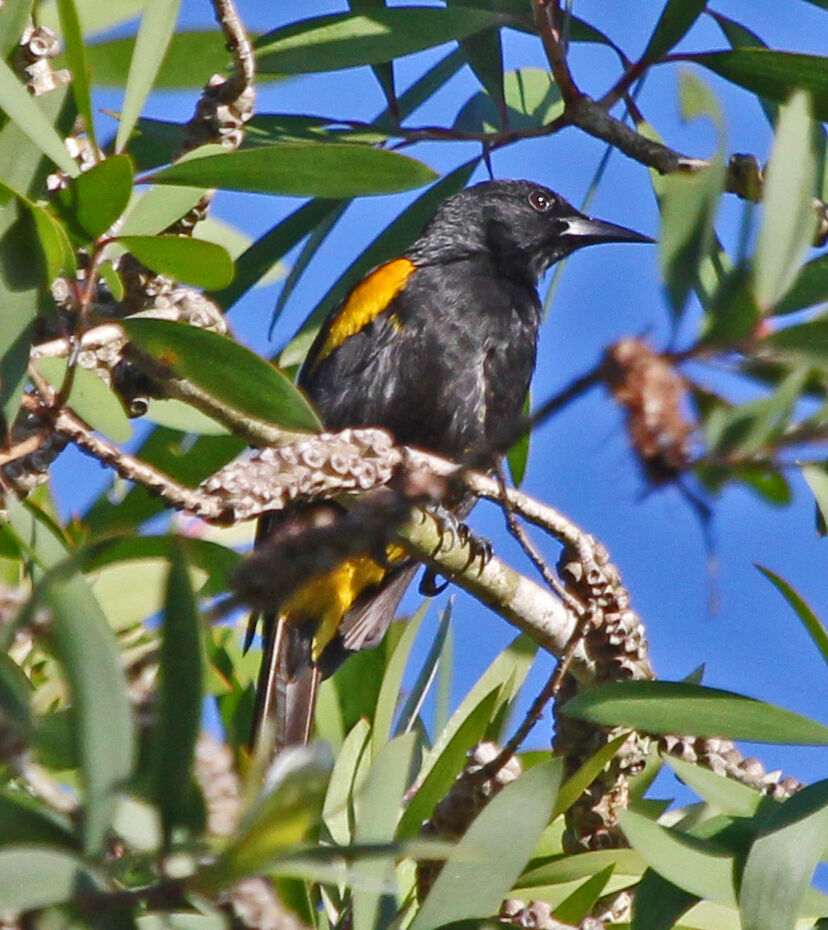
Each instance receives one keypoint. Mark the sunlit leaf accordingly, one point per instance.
(675, 21)
(494, 850)
(302, 170)
(532, 99)
(345, 40)
(809, 619)
(93, 201)
(192, 261)
(782, 859)
(154, 35)
(34, 877)
(788, 218)
(677, 707)
(225, 369)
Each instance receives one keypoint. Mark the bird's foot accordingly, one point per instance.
(448, 525)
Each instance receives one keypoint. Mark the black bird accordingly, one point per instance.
(438, 347)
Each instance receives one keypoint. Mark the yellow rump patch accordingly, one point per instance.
(365, 302)
(328, 597)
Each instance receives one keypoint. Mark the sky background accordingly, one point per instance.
(580, 461)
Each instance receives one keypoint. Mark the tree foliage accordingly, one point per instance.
(115, 808)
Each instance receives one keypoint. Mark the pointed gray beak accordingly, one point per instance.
(589, 232)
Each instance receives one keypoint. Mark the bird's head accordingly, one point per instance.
(523, 226)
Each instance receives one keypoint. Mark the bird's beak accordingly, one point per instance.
(591, 232)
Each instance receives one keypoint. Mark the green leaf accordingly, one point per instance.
(260, 257)
(95, 199)
(192, 261)
(345, 782)
(90, 398)
(517, 457)
(24, 111)
(54, 242)
(190, 58)
(696, 865)
(689, 203)
(391, 243)
(158, 209)
(675, 22)
(578, 905)
(732, 313)
(34, 877)
(809, 619)
(567, 868)
(377, 812)
(532, 100)
(809, 288)
(346, 40)
(88, 653)
(78, 67)
(805, 343)
(435, 784)
(788, 219)
(723, 794)
(783, 858)
(154, 35)
(13, 19)
(322, 169)
(21, 273)
(15, 699)
(175, 414)
(677, 707)
(181, 670)
(659, 904)
(494, 851)
(24, 820)
(428, 671)
(290, 804)
(817, 479)
(94, 16)
(226, 370)
(389, 692)
(771, 74)
(586, 774)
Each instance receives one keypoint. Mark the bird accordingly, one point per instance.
(438, 347)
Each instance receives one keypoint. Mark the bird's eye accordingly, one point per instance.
(540, 200)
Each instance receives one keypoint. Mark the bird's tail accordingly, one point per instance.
(287, 689)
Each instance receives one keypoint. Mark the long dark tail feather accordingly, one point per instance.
(285, 702)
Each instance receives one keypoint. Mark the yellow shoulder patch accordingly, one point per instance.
(365, 302)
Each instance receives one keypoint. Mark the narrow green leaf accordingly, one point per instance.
(783, 858)
(181, 669)
(154, 35)
(435, 784)
(392, 242)
(377, 812)
(806, 343)
(190, 58)
(389, 692)
(345, 784)
(771, 74)
(723, 794)
(586, 774)
(425, 678)
(518, 456)
(15, 698)
(95, 199)
(578, 905)
(740, 36)
(698, 866)
(675, 22)
(484, 53)
(75, 50)
(817, 479)
(494, 850)
(225, 369)
(809, 288)
(192, 261)
(25, 820)
(346, 40)
(19, 106)
(788, 219)
(532, 99)
(659, 903)
(91, 398)
(157, 209)
(676, 707)
(94, 16)
(88, 652)
(260, 257)
(567, 868)
(809, 619)
(34, 877)
(54, 242)
(13, 19)
(323, 169)
(290, 804)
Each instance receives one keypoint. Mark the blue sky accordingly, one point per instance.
(580, 461)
